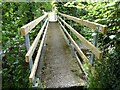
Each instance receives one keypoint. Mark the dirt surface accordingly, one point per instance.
(60, 69)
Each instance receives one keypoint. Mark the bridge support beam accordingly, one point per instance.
(27, 44)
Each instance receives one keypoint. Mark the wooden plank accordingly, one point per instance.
(34, 68)
(35, 42)
(28, 27)
(76, 46)
(92, 25)
(93, 49)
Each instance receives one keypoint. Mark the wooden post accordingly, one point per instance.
(27, 44)
(95, 40)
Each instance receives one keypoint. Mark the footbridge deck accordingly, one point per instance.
(60, 62)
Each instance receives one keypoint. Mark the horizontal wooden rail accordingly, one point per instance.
(35, 42)
(34, 68)
(92, 25)
(93, 49)
(28, 27)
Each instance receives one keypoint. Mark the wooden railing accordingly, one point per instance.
(42, 34)
(84, 41)
(30, 49)
(92, 25)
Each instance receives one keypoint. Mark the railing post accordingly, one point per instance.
(95, 40)
(27, 44)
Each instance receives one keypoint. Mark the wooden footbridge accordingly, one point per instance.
(60, 61)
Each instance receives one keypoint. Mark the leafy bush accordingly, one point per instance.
(14, 15)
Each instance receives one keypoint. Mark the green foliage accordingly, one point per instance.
(108, 73)
(14, 15)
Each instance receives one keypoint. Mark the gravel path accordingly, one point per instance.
(60, 69)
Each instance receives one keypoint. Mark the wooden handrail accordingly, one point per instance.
(92, 25)
(34, 68)
(28, 27)
(35, 42)
(88, 44)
